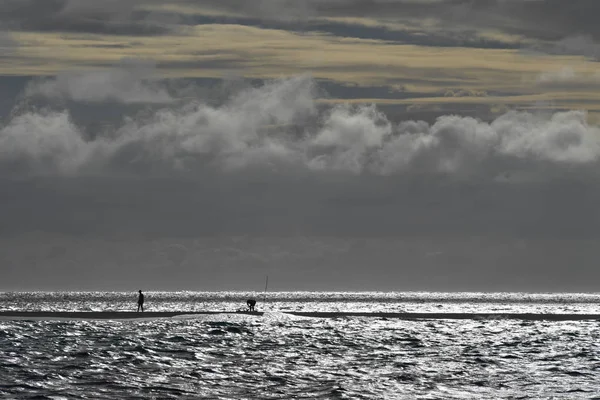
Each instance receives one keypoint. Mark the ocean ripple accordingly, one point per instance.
(252, 357)
(281, 356)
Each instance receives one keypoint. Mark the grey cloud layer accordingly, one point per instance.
(457, 21)
(7, 43)
(192, 190)
(129, 82)
(194, 177)
(543, 19)
(84, 16)
(280, 127)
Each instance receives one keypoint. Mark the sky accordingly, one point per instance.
(447, 145)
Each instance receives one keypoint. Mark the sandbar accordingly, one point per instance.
(124, 315)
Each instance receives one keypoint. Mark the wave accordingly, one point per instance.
(281, 316)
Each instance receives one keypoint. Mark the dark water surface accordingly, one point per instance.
(279, 356)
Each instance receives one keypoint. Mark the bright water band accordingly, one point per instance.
(403, 315)
(190, 345)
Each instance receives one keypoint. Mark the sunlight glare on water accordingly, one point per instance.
(281, 356)
(305, 301)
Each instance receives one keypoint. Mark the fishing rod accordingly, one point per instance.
(265, 293)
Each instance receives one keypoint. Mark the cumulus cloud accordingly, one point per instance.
(129, 82)
(42, 141)
(280, 126)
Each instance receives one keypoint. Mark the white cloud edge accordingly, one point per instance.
(279, 127)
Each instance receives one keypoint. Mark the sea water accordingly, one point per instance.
(280, 356)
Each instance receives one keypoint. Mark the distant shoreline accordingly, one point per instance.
(125, 315)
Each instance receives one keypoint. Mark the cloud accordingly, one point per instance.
(573, 45)
(129, 82)
(464, 93)
(569, 79)
(281, 10)
(7, 44)
(583, 45)
(280, 127)
(547, 20)
(417, 32)
(565, 74)
(35, 142)
(121, 17)
(440, 22)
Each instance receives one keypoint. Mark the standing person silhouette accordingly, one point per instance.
(251, 303)
(140, 301)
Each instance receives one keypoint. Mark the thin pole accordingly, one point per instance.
(265, 293)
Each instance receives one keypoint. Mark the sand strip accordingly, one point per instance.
(399, 315)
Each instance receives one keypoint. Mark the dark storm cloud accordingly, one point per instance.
(579, 45)
(457, 21)
(542, 19)
(85, 16)
(552, 20)
(315, 232)
(266, 179)
(241, 163)
(462, 38)
(467, 38)
(272, 205)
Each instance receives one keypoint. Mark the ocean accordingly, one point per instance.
(282, 356)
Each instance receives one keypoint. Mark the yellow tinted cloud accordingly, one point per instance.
(216, 50)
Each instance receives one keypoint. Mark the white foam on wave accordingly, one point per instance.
(220, 317)
(276, 316)
(241, 317)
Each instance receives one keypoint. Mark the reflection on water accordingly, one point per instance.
(283, 357)
(279, 356)
(305, 301)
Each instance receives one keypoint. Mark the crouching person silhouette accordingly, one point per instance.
(251, 303)
(140, 301)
